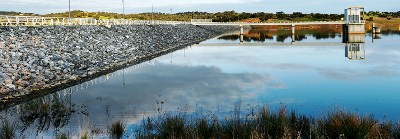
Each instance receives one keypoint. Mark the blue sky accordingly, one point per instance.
(137, 6)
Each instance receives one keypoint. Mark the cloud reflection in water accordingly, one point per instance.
(177, 86)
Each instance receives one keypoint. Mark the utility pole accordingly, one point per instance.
(170, 16)
(69, 11)
(123, 8)
(152, 13)
(152, 19)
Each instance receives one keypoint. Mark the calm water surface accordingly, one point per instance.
(308, 76)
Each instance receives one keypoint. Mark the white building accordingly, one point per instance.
(354, 15)
(354, 20)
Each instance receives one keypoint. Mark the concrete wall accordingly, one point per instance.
(356, 28)
(353, 37)
(356, 38)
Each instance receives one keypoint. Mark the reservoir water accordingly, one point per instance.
(314, 74)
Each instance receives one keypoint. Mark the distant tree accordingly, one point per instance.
(297, 15)
(244, 15)
(280, 15)
(261, 16)
(226, 16)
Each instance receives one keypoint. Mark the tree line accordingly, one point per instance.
(388, 15)
(226, 16)
(12, 13)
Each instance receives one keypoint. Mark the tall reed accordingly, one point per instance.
(116, 130)
(266, 123)
(8, 130)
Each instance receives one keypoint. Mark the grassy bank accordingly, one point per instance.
(265, 123)
(384, 23)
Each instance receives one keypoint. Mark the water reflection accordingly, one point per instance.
(388, 32)
(376, 37)
(305, 75)
(49, 113)
(354, 44)
(355, 51)
(46, 116)
(257, 35)
(52, 111)
(191, 86)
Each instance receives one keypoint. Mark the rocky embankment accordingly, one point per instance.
(39, 58)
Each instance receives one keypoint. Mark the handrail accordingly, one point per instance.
(60, 21)
(269, 23)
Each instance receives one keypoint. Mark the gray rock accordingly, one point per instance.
(11, 86)
(73, 77)
(3, 76)
(41, 55)
(35, 57)
(8, 81)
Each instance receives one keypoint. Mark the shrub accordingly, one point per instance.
(348, 125)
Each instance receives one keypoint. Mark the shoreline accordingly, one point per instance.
(14, 99)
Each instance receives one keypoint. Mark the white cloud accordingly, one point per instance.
(134, 6)
(45, 6)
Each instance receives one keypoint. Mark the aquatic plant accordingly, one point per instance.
(116, 130)
(207, 128)
(349, 125)
(8, 130)
(48, 111)
(85, 136)
(265, 123)
(396, 131)
(62, 135)
(173, 126)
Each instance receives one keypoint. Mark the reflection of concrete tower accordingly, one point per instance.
(376, 36)
(241, 34)
(355, 46)
(354, 38)
(355, 51)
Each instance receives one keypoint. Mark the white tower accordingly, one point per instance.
(354, 20)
